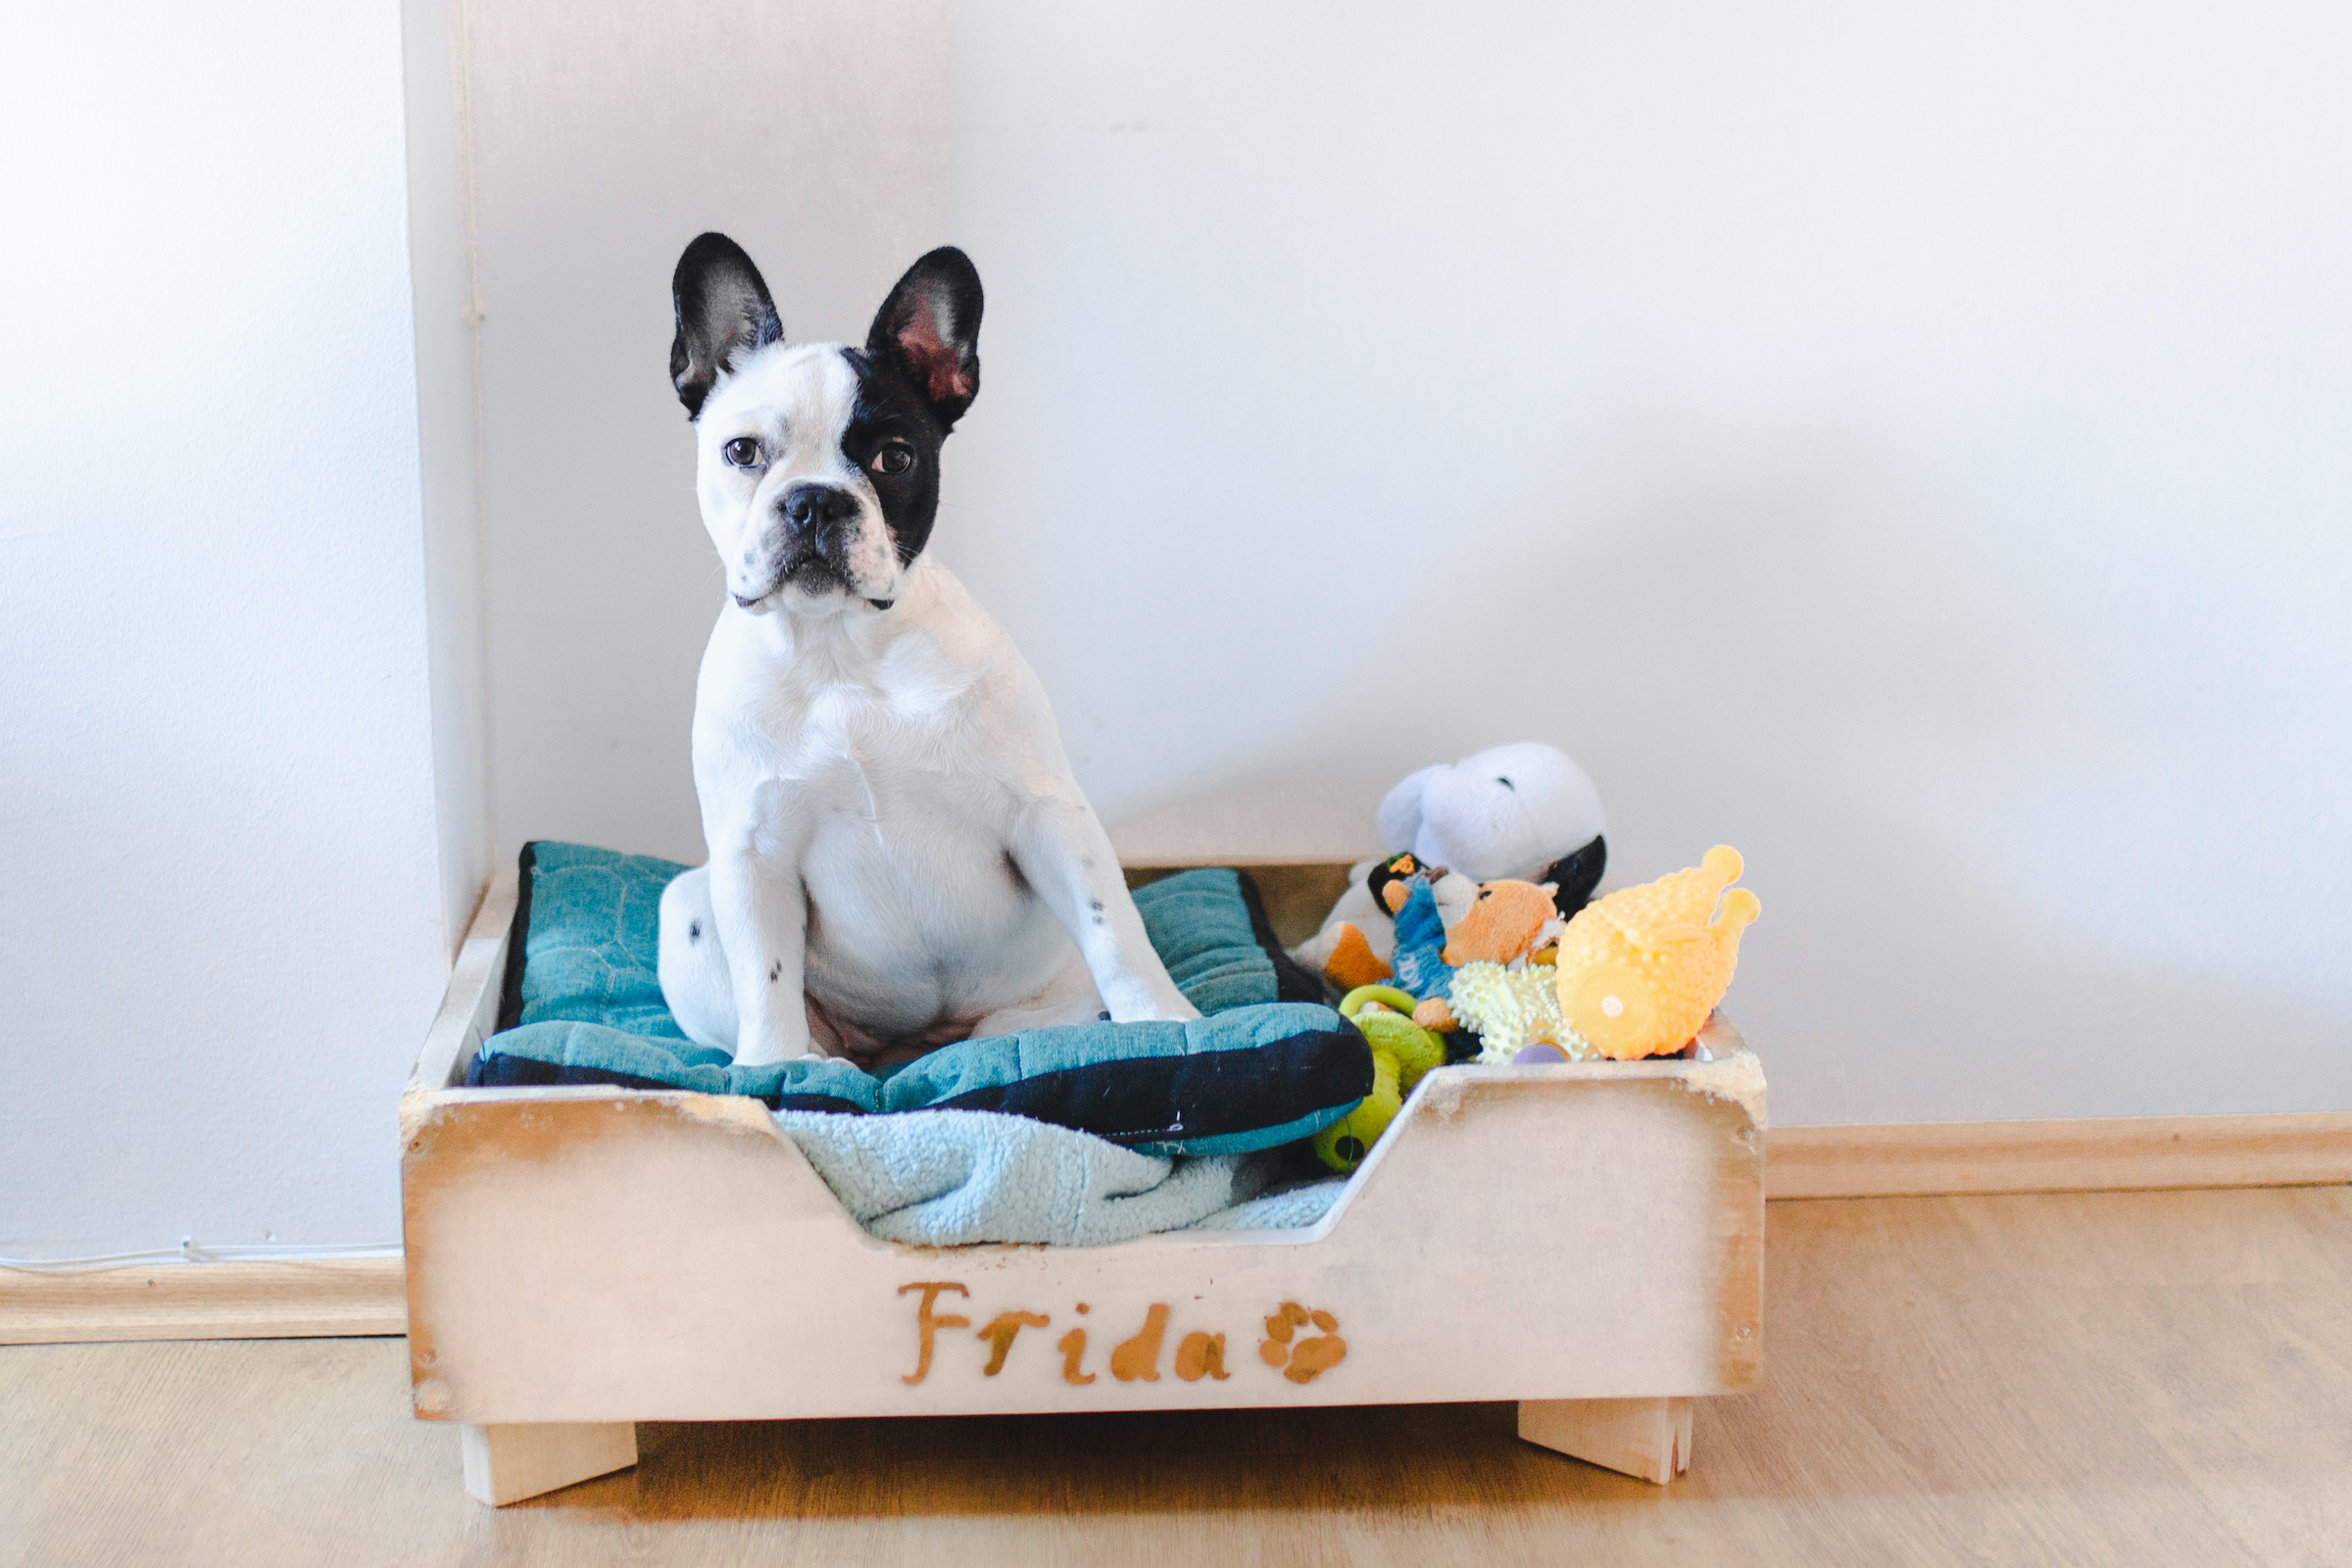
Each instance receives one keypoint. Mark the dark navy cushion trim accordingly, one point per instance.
(529, 1072)
(519, 939)
(1175, 1099)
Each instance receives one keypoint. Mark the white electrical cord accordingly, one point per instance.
(191, 1250)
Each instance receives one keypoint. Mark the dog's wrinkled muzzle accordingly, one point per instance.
(806, 569)
(812, 541)
(820, 528)
(822, 543)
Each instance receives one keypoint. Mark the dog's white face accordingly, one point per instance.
(796, 518)
(817, 465)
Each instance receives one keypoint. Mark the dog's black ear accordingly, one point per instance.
(929, 331)
(722, 307)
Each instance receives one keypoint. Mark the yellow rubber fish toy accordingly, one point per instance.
(1641, 969)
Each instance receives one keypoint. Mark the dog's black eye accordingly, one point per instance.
(895, 460)
(743, 452)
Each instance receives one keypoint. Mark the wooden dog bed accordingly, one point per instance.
(1584, 1238)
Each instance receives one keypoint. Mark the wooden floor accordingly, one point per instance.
(2117, 1377)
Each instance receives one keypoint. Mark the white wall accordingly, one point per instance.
(219, 907)
(441, 273)
(1910, 444)
(604, 141)
(1903, 444)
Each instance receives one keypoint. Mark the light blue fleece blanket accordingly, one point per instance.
(949, 1178)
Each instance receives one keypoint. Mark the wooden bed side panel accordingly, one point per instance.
(1523, 1233)
(470, 1005)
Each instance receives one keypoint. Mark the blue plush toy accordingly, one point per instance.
(1421, 967)
(1420, 964)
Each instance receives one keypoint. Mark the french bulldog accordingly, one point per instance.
(899, 853)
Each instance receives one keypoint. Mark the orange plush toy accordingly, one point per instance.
(1505, 922)
(1509, 922)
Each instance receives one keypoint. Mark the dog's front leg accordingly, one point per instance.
(762, 914)
(1063, 849)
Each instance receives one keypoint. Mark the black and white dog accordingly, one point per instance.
(899, 853)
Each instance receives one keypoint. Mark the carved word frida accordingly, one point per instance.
(1199, 1354)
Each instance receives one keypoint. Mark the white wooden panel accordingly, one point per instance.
(1543, 1232)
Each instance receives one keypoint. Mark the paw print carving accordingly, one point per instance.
(1306, 1359)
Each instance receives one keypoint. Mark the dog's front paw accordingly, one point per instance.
(1148, 1008)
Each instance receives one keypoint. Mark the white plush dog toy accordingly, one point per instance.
(1523, 811)
(900, 855)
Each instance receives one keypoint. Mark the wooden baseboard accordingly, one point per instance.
(291, 1300)
(273, 1301)
(2110, 1154)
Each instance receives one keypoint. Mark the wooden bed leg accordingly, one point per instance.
(507, 1463)
(1645, 1438)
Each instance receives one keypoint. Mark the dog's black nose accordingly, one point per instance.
(806, 503)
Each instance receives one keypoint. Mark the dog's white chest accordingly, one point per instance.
(889, 778)
(827, 713)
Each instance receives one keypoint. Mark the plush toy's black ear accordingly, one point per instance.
(722, 307)
(1577, 874)
(929, 331)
